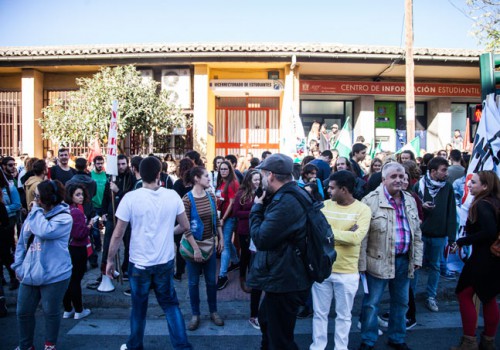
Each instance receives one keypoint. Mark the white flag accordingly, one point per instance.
(112, 149)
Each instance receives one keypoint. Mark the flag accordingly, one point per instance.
(413, 145)
(112, 149)
(374, 151)
(486, 150)
(344, 143)
(94, 150)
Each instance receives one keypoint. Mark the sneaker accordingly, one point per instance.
(379, 331)
(382, 322)
(431, 304)
(178, 277)
(127, 292)
(254, 322)
(194, 323)
(83, 314)
(222, 283)
(410, 324)
(449, 276)
(123, 347)
(385, 316)
(30, 348)
(305, 313)
(125, 276)
(49, 347)
(233, 267)
(69, 314)
(95, 285)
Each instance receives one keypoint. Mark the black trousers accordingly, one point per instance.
(244, 254)
(6, 243)
(108, 233)
(277, 317)
(73, 297)
(180, 263)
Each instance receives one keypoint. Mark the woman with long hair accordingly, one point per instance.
(182, 186)
(76, 196)
(227, 186)
(12, 202)
(205, 209)
(481, 272)
(241, 210)
(43, 263)
(375, 167)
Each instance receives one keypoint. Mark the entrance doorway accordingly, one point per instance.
(246, 125)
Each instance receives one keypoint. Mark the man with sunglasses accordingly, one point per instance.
(9, 167)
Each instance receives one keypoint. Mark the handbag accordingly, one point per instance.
(207, 246)
(495, 247)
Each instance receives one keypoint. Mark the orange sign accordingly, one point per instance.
(384, 88)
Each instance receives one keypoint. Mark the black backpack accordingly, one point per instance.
(319, 254)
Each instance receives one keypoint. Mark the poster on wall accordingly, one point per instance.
(385, 115)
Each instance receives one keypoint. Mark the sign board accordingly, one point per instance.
(386, 88)
(248, 87)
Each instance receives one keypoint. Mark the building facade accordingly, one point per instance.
(255, 97)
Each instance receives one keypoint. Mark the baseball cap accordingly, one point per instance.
(277, 163)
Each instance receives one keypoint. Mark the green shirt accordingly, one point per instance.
(100, 180)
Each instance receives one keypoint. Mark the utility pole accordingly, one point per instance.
(410, 70)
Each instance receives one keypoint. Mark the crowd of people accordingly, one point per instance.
(392, 215)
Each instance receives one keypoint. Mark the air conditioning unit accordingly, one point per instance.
(178, 81)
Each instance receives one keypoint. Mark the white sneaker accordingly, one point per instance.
(382, 323)
(431, 304)
(69, 314)
(83, 314)
(379, 331)
(123, 347)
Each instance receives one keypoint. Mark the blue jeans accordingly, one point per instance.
(209, 269)
(28, 298)
(398, 289)
(229, 252)
(433, 251)
(161, 277)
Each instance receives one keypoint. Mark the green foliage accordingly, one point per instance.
(86, 113)
(486, 14)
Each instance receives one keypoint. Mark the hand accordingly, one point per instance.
(110, 269)
(113, 187)
(260, 200)
(104, 217)
(222, 222)
(32, 205)
(197, 255)
(453, 247)
(428, 205)
(220, 245)
(354, 228)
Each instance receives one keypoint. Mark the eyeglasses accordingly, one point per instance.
(11, 165)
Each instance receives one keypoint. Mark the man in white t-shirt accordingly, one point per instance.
(151, 212)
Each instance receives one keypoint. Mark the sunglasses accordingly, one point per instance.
(11, 165)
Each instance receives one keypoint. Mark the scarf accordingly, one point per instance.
(432, 185)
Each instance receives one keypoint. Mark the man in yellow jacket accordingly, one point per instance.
(390, 253)
(349, 219)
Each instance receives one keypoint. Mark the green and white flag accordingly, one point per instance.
(413, 145)
(344, 142)
(375, 150)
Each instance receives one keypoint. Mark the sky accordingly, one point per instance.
(437, 23)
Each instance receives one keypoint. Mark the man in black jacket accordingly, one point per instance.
(278, 228)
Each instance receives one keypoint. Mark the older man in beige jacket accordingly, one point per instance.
(390, 253)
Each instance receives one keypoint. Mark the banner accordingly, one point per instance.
(486, 151)
(112, 149)
(344, 142)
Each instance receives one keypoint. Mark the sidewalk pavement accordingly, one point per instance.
(232, 302)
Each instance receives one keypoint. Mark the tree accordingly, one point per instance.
(86, 113)
(486, 28)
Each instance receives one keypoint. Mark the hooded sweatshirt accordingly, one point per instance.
(47, 259)
(31, 185)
